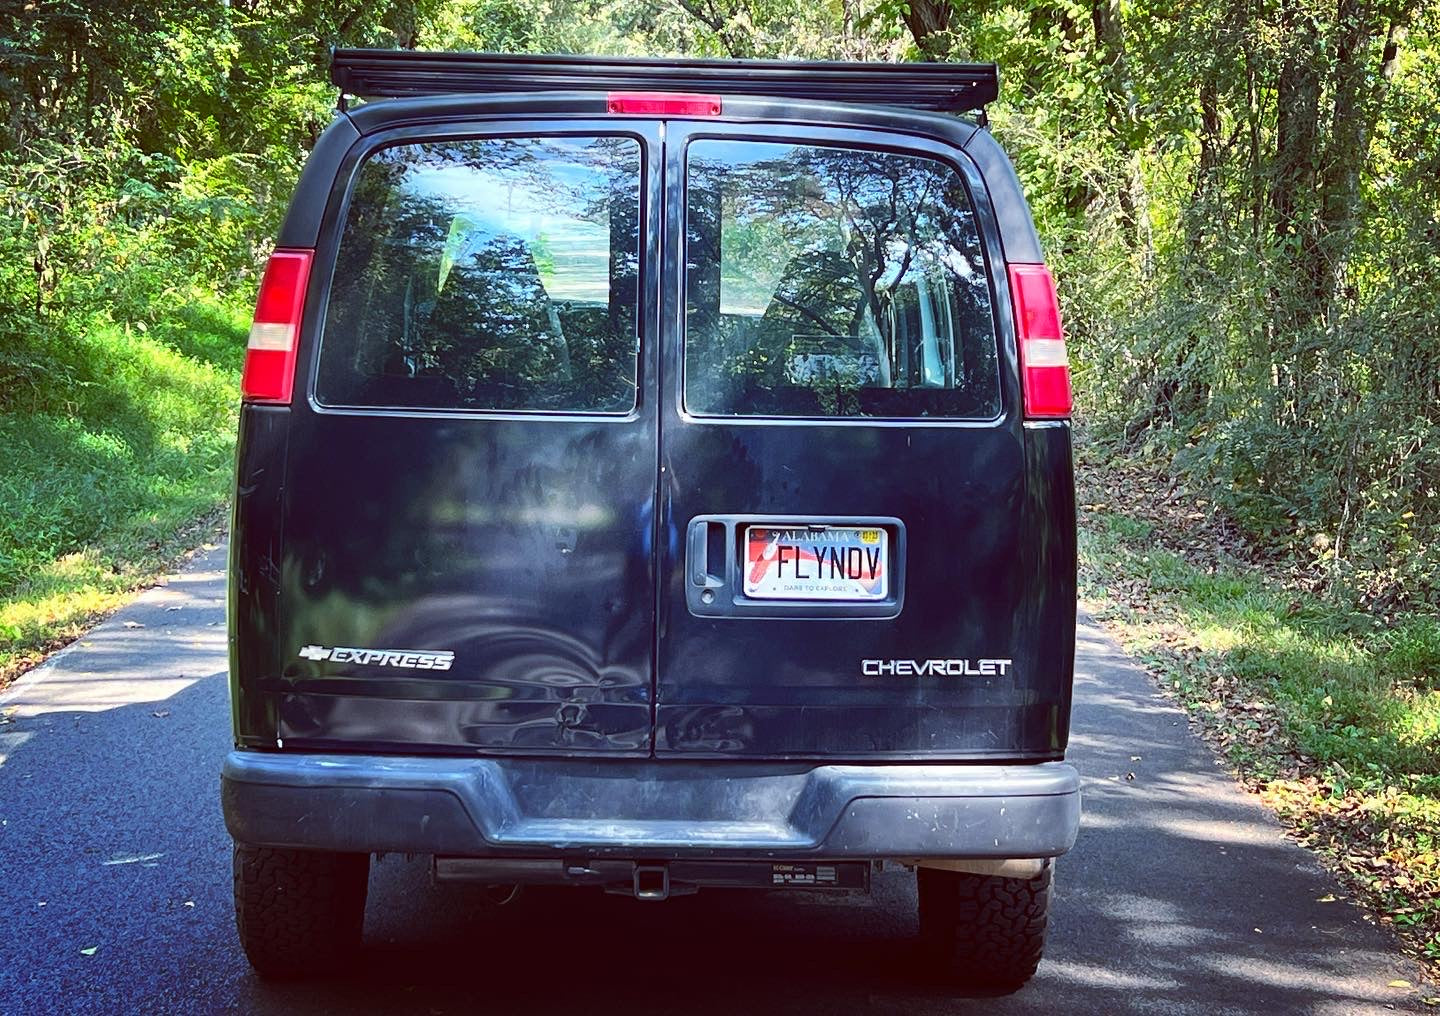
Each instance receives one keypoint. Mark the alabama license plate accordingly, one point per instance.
(819, 563)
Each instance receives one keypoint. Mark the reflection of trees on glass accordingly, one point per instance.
(488, 274)
(831, 281)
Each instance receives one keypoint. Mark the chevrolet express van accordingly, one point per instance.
(654, 475)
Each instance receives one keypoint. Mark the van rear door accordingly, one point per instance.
(802, 518)
(469, 562)
(843, 459)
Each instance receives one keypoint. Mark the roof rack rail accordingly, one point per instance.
(388, 73)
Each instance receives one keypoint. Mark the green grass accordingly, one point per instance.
(114, 441)
(1333, 716)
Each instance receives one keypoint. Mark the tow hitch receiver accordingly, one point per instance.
(652, 882)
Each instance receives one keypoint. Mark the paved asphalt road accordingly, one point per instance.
(1181, 897)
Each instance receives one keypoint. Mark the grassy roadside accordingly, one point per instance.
(115, 455)
(1330, 714)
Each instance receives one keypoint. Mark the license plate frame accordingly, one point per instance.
(831, 563)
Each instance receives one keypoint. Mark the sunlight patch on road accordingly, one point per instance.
(1093, 976)
(1301, 978)
(1226, 829)
(94, 694)
(1223, 830)
(10, 741)
(1156, 922)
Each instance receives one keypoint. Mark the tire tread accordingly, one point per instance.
(988, 931)
(298, 912)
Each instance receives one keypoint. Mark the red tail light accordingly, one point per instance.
(663, 104)
(1044, 367)
(275, 333)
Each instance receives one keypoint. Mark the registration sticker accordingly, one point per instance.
(817, 563)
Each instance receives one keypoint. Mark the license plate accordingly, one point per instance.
(800, 563)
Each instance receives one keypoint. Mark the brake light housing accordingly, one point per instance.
(270, 354)
(663, 104)
(1044, 363)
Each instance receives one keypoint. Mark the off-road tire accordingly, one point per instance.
(299, 912)
(984, 931)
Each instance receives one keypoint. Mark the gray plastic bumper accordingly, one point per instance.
(478, 807)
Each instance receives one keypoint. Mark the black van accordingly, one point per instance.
(654, 475)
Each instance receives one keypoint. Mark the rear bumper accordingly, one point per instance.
(529, 807)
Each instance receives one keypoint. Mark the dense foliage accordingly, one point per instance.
(1242, 202)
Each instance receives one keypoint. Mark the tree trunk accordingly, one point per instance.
(1257, 192)
(1120, 109)
(1293, 180)
(1360, 88)
(929, 24)
(1297, 109)
(1110, 50)
(714, 17)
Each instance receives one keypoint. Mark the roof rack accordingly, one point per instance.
(388, 73)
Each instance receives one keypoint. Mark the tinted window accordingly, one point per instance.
(488, 274)
(833, 282)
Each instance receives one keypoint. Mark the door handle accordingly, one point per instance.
(698, 541)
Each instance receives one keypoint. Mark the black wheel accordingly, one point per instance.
(986, 931)
(299, 912)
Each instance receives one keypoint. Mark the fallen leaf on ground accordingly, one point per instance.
(160, 714)
(133, 624)
(89, 951)
(1399, 983)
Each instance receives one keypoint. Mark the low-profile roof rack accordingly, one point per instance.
(387, 73)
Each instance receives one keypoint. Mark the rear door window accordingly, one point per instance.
(833, 282)
(488, 274)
